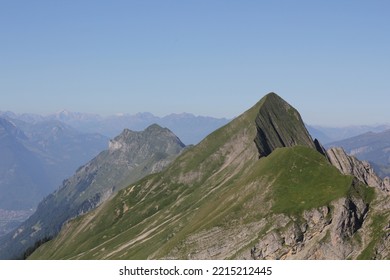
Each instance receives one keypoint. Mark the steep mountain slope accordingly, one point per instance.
(219, 200)
(130, 156)
(372, 147)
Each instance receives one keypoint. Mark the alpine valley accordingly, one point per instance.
(257, 188)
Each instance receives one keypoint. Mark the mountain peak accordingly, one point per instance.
(129, 134)
(153, 133)
(154, 127)
(279, 125)
(272, 95)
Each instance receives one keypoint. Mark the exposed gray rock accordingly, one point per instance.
(382, 251)
(372, 147)
(320, 148)
(386, 184)
(321, 233)
(348, 219)
(362, 170)
(316, 221)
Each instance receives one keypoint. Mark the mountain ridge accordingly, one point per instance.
(329, 134)
(219, 200)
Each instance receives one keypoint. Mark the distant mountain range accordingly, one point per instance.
(189, 128)
(332, 134)
(258, 188)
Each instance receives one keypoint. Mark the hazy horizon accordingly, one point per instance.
(184, 113)
(330, 60)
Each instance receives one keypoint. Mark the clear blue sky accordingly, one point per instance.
(329, 59)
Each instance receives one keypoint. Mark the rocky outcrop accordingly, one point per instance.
(372, 147)
(386, 184)
(320, 233)
(93, 202)
(280, 125)
(362, 170)
(320, 148)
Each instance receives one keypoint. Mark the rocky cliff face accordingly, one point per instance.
(280, 125)
(131, 156)
(371, 147)
(362, 170)
(321, 233)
